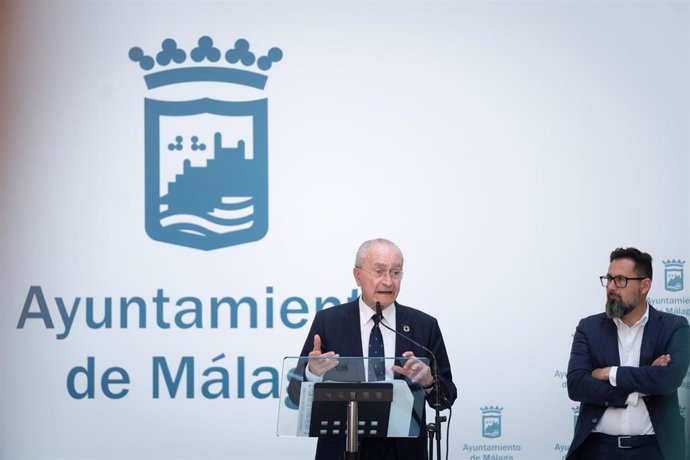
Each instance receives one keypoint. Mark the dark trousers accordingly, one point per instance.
(594, 448)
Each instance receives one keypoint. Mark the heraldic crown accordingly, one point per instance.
(491, 410)
(673, 263)
(205, 51)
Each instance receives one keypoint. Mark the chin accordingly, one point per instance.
(385, 301)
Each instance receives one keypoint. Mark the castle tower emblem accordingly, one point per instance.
(206, 158)
(673, 275)
(491, 421)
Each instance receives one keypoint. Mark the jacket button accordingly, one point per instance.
(594, 420)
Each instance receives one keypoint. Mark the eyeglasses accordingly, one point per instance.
(394, 274)
(620, 281)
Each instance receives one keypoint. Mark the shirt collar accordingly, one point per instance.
(366, 313)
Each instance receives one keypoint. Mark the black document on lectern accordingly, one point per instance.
(329, 408)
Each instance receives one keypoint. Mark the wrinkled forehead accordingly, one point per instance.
(383, 255)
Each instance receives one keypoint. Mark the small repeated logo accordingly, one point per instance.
(206, 167)
(673, 275)
(491, 421)
(576, 412)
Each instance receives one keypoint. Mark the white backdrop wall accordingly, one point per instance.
(507, 147)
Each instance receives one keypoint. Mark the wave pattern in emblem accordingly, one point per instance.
(231, 215)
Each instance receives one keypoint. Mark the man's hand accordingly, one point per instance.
(416, 370)
(662, 360)
(601, 373)
(323, 364)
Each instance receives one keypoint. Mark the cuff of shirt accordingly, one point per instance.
(311, 377)
(612, 375)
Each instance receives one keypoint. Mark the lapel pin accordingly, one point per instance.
(406, 328)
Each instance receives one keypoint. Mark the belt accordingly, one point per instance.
(624, 442)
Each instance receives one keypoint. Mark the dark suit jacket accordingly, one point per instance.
(595, 345)
(339, 329)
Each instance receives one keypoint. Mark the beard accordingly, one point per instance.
(616, 308)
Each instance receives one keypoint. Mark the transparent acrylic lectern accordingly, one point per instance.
(329, 405)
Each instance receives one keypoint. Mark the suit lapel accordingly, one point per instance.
(401, 320)
(401, 345)
(353, 330)
(610, 343)
(649, 337)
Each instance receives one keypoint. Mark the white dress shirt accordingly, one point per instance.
(634, 419)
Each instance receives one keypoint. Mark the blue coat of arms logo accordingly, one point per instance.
(206, 159)
(491, 421)
(673, 275)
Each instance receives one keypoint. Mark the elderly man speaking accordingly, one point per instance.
(351, 330)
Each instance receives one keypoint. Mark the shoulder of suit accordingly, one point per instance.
(418, 315)
(338, 310)
(596, 318)
(666, 316)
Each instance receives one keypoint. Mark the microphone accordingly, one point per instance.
(379, 315)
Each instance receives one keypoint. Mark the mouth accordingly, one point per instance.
(384, 292)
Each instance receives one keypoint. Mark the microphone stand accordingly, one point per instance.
(352, 449)
(434, 428)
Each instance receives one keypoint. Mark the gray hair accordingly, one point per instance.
(363, 249)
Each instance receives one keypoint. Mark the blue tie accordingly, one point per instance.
(377, 369)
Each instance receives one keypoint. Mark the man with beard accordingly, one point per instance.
(625, 369)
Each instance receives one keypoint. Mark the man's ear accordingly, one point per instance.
(355, 272)
(646, 285)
